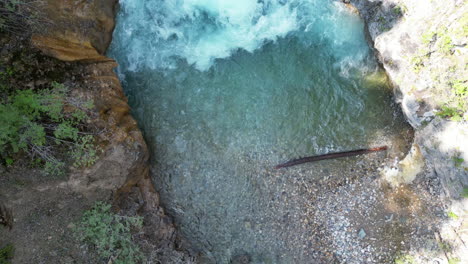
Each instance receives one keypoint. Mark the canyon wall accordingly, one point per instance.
(422, 46)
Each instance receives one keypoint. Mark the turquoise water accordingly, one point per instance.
(225, 90)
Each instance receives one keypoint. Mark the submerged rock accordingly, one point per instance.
(361, 234)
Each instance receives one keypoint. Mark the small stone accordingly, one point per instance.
(362, 234)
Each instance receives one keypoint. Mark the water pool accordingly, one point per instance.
(225, 90)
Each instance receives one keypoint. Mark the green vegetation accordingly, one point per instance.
(450, 112)
(445, 246)
(84, 154)
(465, 192)
(18, 16)
(442, 40)
(383, 24)
(462, 30)
(458, 161)
(110, 234)
(461, 88)
(39, 122)
(442, 37)
(405, 259)
(6, 253)
(418, 62)
(455, 101)
(398, 10)
(458, 104)
(445, 43)
(428, 37)
(454, 261)
(458, 99)
(452, 215)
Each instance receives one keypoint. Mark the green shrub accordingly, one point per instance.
(445, 43)
(458, 161)
(454, 261)
(39, 121)
(84, 154)
(397, 11)
(458, 103)
(465, 192)
(450, 112)
(460, 88)
(428, 37)
(418, 63)
(444, 246)
(452, 215)
(110, 234)
(6, 253)
(405, 259)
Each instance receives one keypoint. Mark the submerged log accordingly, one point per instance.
(329, 156)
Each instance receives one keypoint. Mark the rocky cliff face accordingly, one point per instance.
(422, 46)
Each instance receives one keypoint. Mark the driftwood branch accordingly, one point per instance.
(329, 156)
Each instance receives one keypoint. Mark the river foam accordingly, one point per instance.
(155, 33)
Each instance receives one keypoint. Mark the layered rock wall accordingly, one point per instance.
(422, 46)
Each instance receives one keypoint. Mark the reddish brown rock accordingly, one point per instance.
(80, 21)
(67, 49)
(81, 31)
